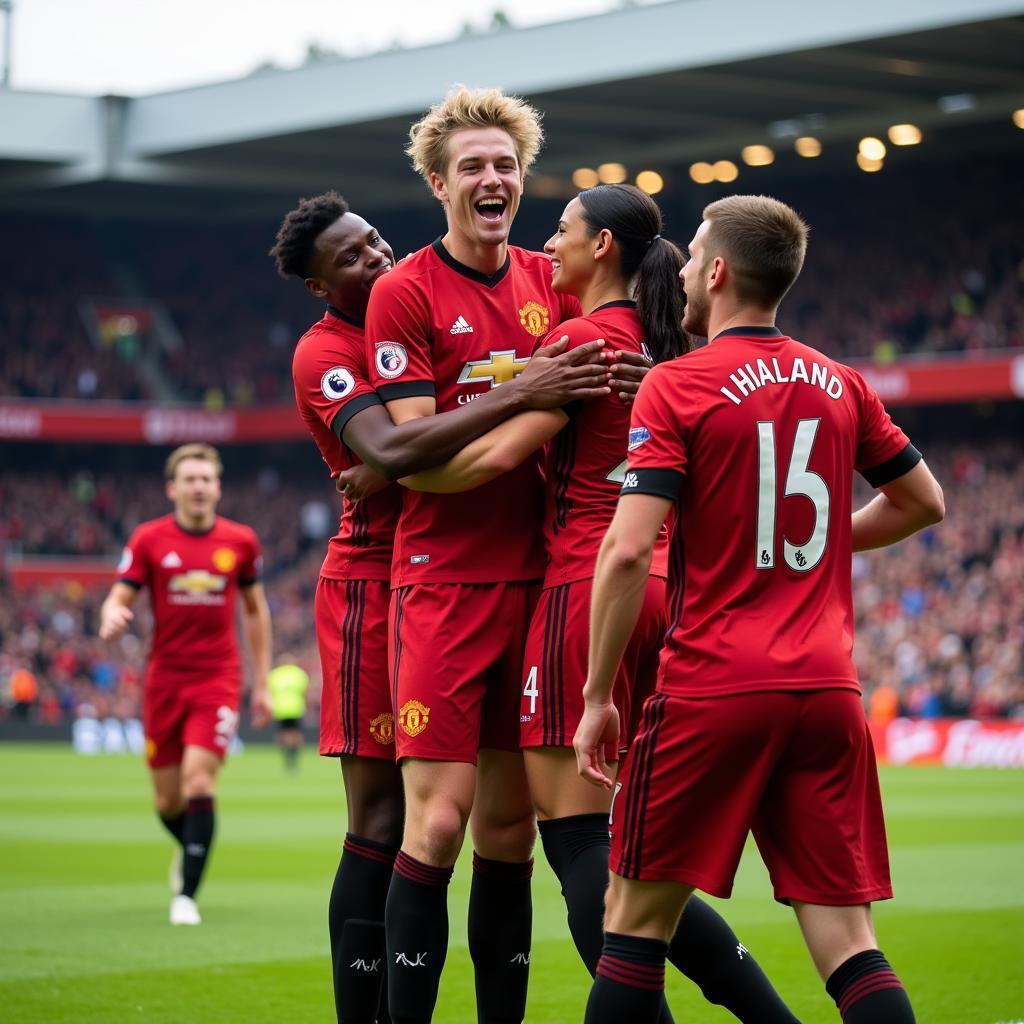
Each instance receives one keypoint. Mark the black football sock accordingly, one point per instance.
(358, 896)
(196, 840)
(416, 926)
(630, 981)
(706, 950)
(867, 991)
(577, 849)
(500, 926)
(174, 824)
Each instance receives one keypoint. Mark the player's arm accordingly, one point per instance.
(498, 451)
(405, 436)
(116, 612)
(905, 505)
(620, 579)
(257, 632)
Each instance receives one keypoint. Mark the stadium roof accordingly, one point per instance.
(649, 87)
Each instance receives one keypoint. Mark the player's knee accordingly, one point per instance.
(169, 805)
(199, 783)
(434, 833)
(379, 816)
(506, 836)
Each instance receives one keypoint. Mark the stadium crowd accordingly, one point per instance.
(935, 284)
(940, 618)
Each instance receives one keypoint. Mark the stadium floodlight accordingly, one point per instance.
(871, 148)
(612, 174)
(702, 173)
(650, 181)
(807, 146)
(904, 134)
(758, 156)
(725, 170)
(957, 103)
(867, 164)
(585, 177)
(1018, 117)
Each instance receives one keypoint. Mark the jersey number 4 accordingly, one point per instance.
(799, 480)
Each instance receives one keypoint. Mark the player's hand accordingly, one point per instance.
(598, 729)
(554, 377)
(628, 370)
(261, 711)
(114, 620)
(359, 482)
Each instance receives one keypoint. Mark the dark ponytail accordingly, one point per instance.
(651, 262)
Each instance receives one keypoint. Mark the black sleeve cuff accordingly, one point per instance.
(134, 584)
(407, 389)
(894, 468)
(662, 483)
(250, 582)
(346, 413)
(572, 409)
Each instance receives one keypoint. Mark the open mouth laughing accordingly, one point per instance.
(491, 207)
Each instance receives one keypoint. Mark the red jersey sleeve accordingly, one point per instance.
(398, 334)
(134, 567)
(656, 453)
(251, 568)
(331, 383)
(884, 452)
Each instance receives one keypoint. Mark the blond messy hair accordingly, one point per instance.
(196, 450)
(764, 241)
(473, 108)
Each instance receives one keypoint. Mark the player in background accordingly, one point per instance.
(339, 257)
(609, 254)
(757, 723)
(287, 683)
(194, 563)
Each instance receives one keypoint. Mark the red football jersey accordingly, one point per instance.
(193, 580)
(331, 386)
(438, 328)
(586, 460)
(757, 437)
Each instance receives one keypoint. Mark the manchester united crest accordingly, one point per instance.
(535, 318)
(413, 717)
(224, 559)
(382, 728)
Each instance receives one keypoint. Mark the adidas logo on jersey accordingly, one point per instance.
(461, 326)
(172, 560)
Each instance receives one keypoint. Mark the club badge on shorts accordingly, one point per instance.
(382, 728)
(413, 717)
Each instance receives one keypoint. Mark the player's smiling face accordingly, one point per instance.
(698, 307)
(349, 257)
(195, 491)
(482, 186)
(571, 249)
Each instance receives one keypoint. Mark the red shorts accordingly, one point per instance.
(189, 709)
(355, 700)
(796, 768)
(456, 654)
(555, 666)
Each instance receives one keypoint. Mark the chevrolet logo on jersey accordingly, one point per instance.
(197, 581)
(500, 368)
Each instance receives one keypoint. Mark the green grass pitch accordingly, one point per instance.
(83, 902)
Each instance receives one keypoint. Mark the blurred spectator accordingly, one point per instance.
(907, 263)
